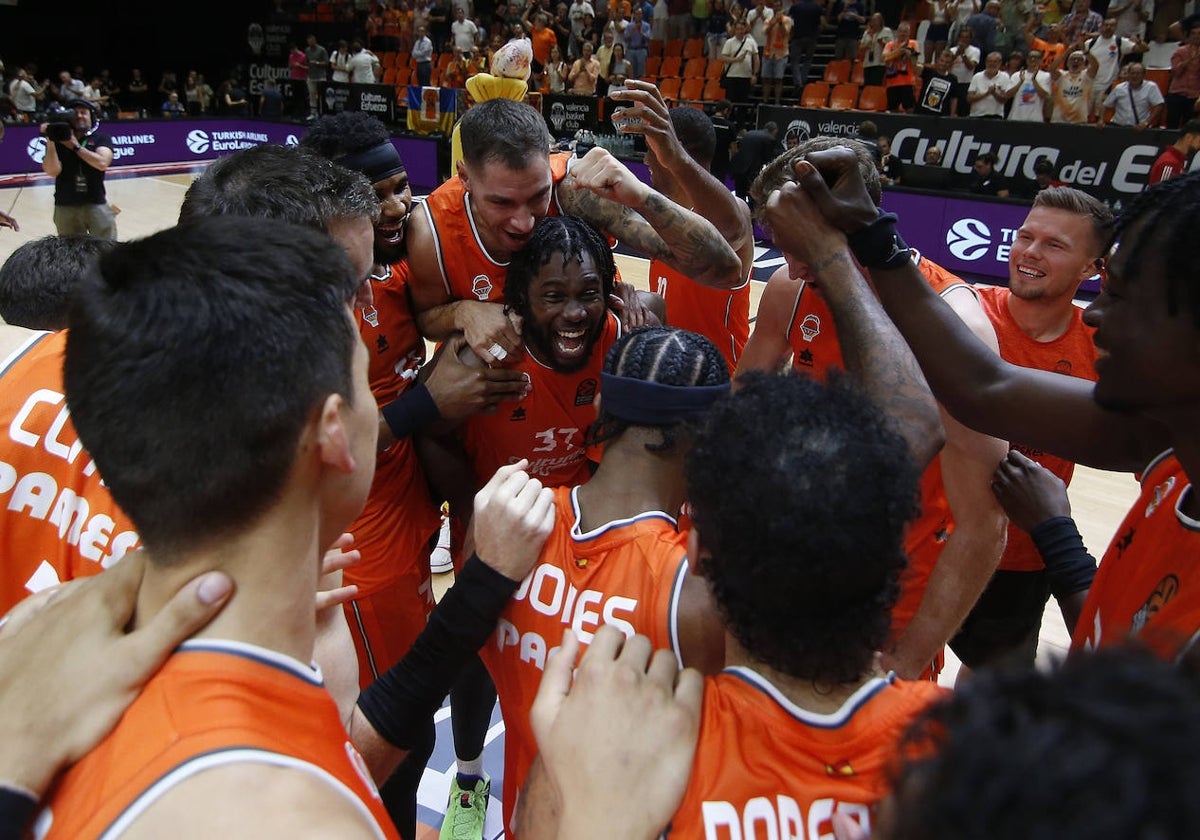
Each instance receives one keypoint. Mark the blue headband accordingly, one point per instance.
(654, 404)
(377, 163)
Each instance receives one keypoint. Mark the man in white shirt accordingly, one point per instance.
(963, 67)
(578, 9)
(1132, 16)
(1109, 49)
(988, 90)
(1134, 103)
(758, 18)
(463, 31)
(1029, 90)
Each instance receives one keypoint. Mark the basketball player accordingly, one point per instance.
(37, 278)
(1139, 415)
(956, 542)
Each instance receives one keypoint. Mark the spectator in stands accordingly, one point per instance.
(439, 24)
(1073, 86)
(938, 87)
(938, 33)
(1029, 90)
(172, 108)
(364, 65)
(576, 13)
(1111, 51)
(1134, 103)
(758, 18)
(962, 11)
(988, 90)
(604, 54)
(902, 57)
(966, 60)
(463, 32)
(585, 73)
(871, 47)
(985, 26)
(849, 17)
(637, 42)
(891, 168)
(1184, 87)
(554, 76)
(270, 101)
(985, 180)
(1132, 16)
(26, 96)
(1173, 160)
(1050, 43)
(933, 156)
(740, 56)
(422, 56)
(868, 134)
(317, 59)
(1082, 22)
(808, 19)
(339, 62)
(775, 55)
(718, 29)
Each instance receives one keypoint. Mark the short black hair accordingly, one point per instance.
(503, 130)
(344, 133)
(1103, 746)
(1191, 126)
(37, 279)
(695, 131)
(194, 359)
(664, 355)
(801, 493)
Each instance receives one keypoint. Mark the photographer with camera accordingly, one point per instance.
(902, 65)
(77, 156)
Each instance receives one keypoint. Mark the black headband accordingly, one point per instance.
(378, 163)
(654, 404)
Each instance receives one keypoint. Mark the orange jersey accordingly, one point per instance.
(720, 315)
(1148, 585)
(548, 426)
(1072, 354)
(627, 573)
(213, 704)
(469, 272)
(399, 518)
(815, 350)
(59, 521)
(765, 767)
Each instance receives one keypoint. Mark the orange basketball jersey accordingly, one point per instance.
(815, 350)
(399, 518)
(628, 574)
(59, 521)
(720, 315)
(765, 767)
(468, 270)
(1071, 354)
(1148, 584)
(214, 703)
(548, 426)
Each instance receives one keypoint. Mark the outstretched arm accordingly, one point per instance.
(1045, 410)
(600, 189)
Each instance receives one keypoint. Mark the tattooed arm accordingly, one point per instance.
(872, 347)
(602, 190)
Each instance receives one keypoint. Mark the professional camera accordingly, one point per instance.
(59, 125)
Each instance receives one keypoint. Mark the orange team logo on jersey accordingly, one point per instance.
(1167, 588)
(481, 286)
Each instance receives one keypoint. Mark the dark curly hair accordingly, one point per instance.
(664, 355)
(801, 493)
(344, 133)
(567, 236)
(1164, 215)
(1103, 746)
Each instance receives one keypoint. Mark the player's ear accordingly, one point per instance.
(332, 436)
(695, 548)
(461, 168)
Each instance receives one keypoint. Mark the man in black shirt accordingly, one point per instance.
(808, 19)
(937, 87)
(77, 163)
(985, 180)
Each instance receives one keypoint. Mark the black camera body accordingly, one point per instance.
(59, 126)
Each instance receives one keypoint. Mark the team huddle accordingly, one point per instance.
(707, 567)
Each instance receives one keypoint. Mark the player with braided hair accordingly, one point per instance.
(1140, 415)
(616, 545)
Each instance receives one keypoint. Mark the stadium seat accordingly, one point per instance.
(815, 95)
(692, 89)
(715, 68)
(694, 68)
(671, 66)
(669, 87)
(444, 60)
(653, 63)
(387, 60)
(389, 76)
(713, 92)
(673, 48)
(872, 98)
(844, 97)
(656, 48)
(693, 48)
(856, 73)
(837, 72)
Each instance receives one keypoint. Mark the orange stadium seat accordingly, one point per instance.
(656, 48)
(695, 68)
(693, 48)
(856, 73)
(671, 66)
(387, 60)
(837, 72)
(692, 89)
(389, 76)
(713, 92)
(873, 98)
(444, 61)
(715, 69)
(844, 97)
(815, 95)
(669, 87)
(673, 48)
(653, 63)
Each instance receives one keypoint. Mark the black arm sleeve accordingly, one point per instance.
(16, 811)
(412, 410)
(1069, 566)
(405, 697)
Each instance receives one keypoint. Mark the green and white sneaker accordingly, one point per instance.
(467, 811)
